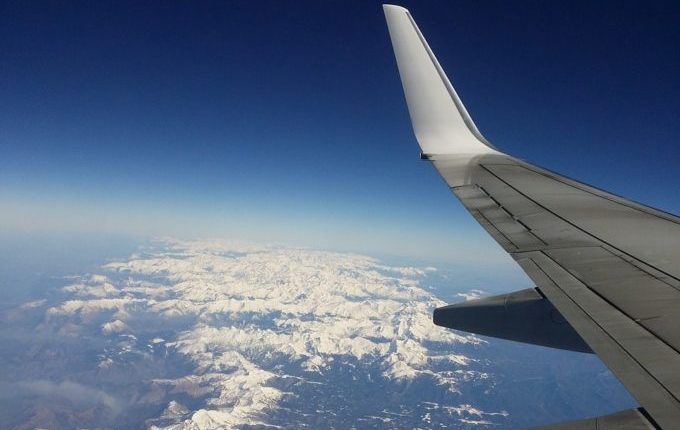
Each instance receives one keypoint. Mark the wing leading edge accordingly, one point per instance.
(608, 266)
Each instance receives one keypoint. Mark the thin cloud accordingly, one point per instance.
(72, 391)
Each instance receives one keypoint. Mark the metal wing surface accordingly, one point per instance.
(607, 270)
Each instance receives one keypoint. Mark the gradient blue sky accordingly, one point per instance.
(282, 121)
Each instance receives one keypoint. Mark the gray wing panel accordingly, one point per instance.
(644, 234)
(608, 265)
(643, 363)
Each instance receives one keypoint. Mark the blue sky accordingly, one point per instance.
(282, 121)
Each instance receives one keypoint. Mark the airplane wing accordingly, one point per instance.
(607, 270)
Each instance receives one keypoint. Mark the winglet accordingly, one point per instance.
(441, 123)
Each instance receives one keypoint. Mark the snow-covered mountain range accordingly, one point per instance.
(275, 336)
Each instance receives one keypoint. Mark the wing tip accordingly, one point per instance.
(394, 7)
